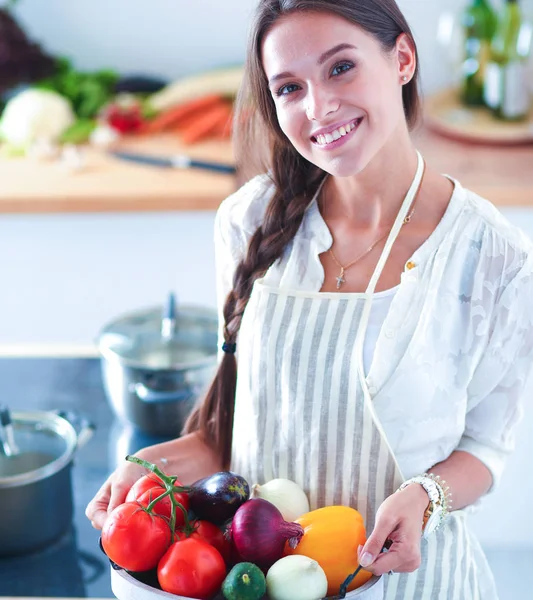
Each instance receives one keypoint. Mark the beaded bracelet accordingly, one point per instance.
(445, 496)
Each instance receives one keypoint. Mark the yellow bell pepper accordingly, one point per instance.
(331, 537)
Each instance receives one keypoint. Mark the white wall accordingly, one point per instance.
(64, 276)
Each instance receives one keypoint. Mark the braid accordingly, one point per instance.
(295, 181)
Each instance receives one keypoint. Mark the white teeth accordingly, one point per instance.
(327, 138)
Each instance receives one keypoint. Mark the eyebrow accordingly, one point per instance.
(323, 58)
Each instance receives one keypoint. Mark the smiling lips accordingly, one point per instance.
(336, 134)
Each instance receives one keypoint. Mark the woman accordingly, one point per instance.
(378, 309)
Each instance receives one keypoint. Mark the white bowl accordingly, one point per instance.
(126, 587)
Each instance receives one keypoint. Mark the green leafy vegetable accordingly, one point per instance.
(79, 132)
(88, 92)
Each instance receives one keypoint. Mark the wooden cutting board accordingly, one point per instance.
(109, 184)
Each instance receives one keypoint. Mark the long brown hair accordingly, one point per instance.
(294, 178)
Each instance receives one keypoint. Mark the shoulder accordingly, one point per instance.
(244, 210)
(491, 222)
(485, 230)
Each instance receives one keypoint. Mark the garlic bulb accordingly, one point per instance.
(296, 577)
(287, 496)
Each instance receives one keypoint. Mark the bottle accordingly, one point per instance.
(479, 23)
(506, 91)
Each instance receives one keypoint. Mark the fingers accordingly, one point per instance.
(96, 510)
(383, 528)
(119, 491)
(404, 557)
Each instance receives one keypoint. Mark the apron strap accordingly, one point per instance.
(369, 294)
(404, 210)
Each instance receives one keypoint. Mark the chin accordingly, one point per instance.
(348, 164)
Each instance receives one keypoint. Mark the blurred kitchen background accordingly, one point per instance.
(87, 237)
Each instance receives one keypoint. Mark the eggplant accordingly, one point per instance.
(216, 498)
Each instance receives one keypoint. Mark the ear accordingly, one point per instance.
(405, 56)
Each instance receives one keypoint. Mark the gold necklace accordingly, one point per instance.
(406, 221)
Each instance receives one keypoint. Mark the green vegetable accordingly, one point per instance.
(87, 92)
(244, 582)
(79, 132)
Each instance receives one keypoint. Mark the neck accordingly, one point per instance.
(371, 199)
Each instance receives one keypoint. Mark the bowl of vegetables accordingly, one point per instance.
(217, 539)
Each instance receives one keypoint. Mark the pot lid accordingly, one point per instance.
(163, 337)
(45, 443)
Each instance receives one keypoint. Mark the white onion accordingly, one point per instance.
(296, 577)
(287, 496)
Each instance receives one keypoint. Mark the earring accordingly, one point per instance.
(404, 78)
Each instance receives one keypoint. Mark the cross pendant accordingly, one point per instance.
(340, 279)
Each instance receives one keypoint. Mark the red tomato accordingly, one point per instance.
(134, 539)
(212, 535)
(192, 568)
(148, 488)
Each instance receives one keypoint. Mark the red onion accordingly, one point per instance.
(259, 532)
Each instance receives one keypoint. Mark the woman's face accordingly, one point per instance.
(338, 96)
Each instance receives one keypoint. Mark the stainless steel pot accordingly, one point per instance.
(156, 363)
(36, 505)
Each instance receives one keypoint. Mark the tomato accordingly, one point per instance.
(148, 488)
(192, 568)
(134, 539)
(212, 535)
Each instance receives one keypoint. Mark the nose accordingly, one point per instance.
(320, 103)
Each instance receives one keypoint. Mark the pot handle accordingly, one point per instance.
(84, 428)
(151, 396)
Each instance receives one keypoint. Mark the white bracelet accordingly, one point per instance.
(439, 498)
(444, 493)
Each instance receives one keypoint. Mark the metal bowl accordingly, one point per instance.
(126, 587)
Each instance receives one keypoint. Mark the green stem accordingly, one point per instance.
(150, 507)
(155, 469)
(170, 490)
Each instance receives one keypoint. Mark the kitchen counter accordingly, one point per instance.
(503, 175)
(108, 184)
(73, 566)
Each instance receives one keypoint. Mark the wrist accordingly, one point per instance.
(417, 496)
(439, 504)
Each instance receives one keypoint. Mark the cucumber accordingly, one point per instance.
(244, 582)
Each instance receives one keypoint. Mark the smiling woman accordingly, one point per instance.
(369, 387)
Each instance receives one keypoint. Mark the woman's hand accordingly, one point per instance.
(398, 519)
(187, 457)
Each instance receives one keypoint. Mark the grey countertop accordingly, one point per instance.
(73, 566)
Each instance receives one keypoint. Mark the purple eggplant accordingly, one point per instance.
(216, 498)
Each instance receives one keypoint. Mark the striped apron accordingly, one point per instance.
(303, 411)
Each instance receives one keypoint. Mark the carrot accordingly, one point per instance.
(168, 118)
(204, 126)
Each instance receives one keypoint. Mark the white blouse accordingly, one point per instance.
(455, 347)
